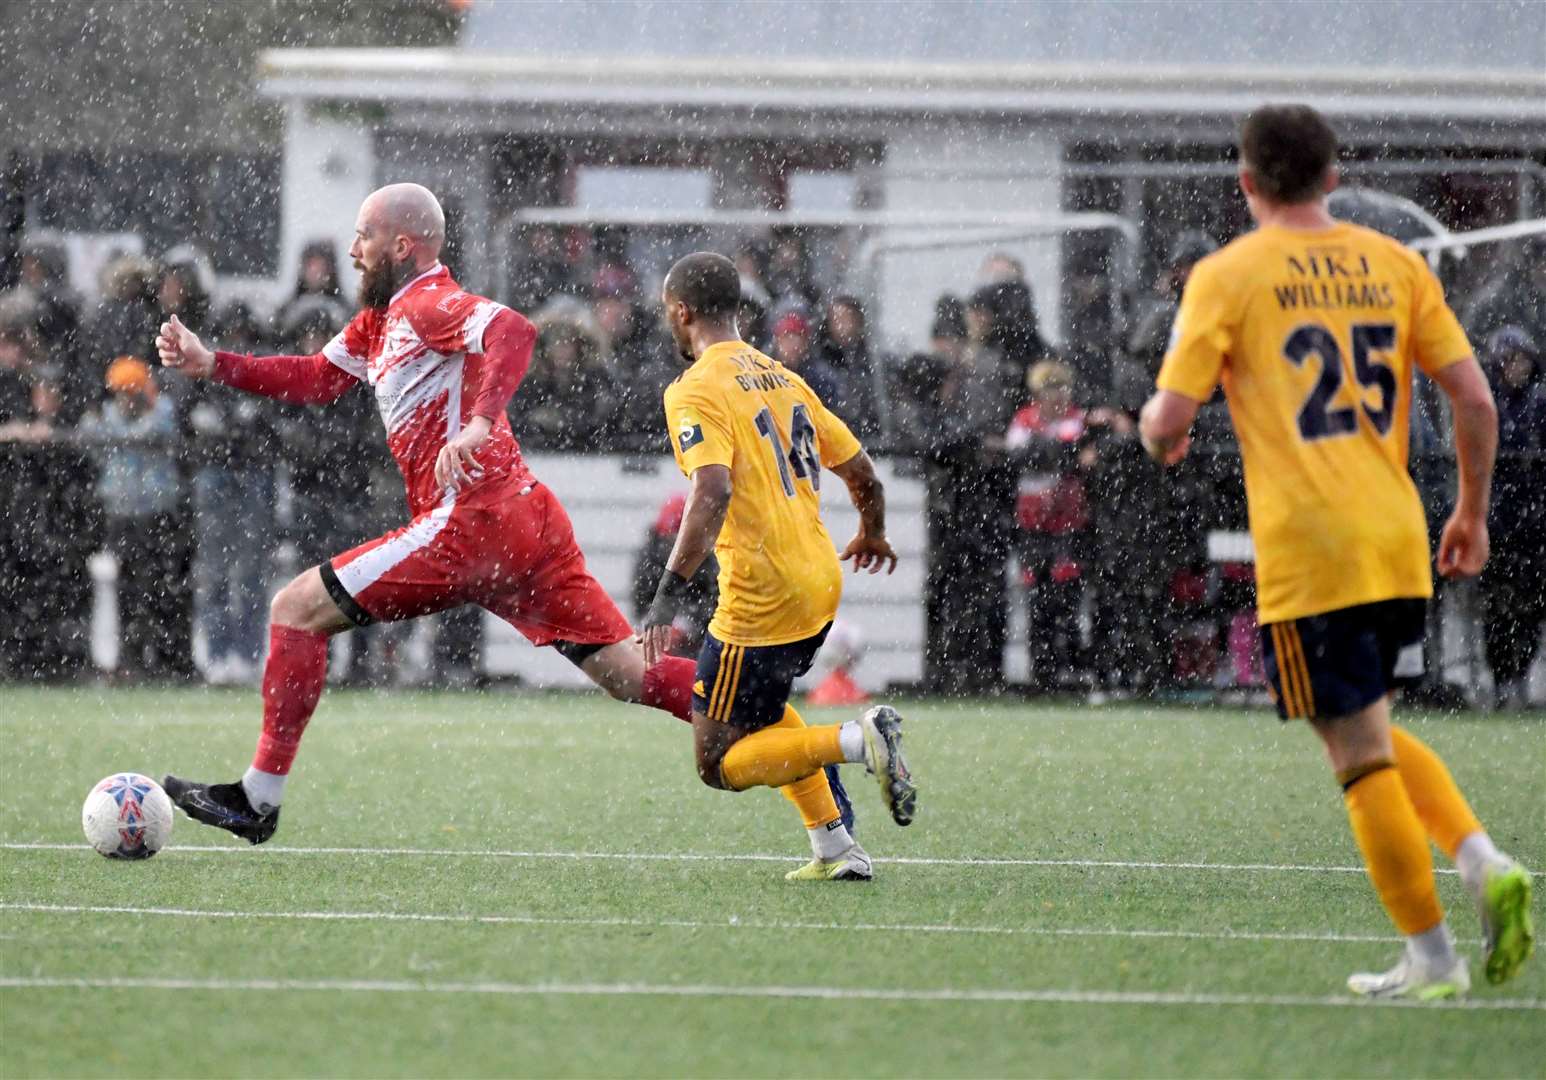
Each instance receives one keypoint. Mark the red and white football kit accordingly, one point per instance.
(436, 356)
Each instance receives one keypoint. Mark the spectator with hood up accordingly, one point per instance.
(124, 322)
(844, 343)
(1513, 586)
(641, 365)
(971, 502)
(1153, 316)
(316, 278)
(568, 400)
(54, 311)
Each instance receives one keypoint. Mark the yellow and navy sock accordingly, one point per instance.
(1394, 846)
(1440, 806)
(818, 809)
(780, 755)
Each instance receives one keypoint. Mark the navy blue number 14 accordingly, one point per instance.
(799, 461)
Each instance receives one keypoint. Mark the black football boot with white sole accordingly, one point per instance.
(224, 806)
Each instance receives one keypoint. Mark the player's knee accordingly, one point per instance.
(708, 769)
(295, 606)
(284, 609)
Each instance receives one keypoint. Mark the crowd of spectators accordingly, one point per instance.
(1036, 478)
(1038, 492)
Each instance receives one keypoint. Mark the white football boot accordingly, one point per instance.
(851, 865)
(1414, 977)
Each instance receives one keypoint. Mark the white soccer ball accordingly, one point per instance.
(127, 816)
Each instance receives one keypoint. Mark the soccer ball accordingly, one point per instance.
(127, 816)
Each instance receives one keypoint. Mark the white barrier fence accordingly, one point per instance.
(613, 501)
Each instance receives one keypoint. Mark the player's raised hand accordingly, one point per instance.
(1463, 546)
(181, 348)
(869, 553)
(456, 466)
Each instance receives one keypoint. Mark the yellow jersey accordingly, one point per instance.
(1314, 334)
(779, 576)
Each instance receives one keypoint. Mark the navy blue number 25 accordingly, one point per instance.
(1317, 419)
(800, 461)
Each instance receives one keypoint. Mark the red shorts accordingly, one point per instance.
(510, 550)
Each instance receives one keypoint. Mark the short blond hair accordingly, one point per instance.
(1049, 373)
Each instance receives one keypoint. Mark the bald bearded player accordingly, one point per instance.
(443, 365)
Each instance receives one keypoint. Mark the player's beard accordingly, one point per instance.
(377, 285)
(683, 346)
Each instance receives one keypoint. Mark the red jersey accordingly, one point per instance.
(1049, 502)
(423, 356)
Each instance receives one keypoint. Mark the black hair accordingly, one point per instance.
(707, 283)
(1288, 149)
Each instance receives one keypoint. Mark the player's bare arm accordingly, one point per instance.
(181, 349)
(702, 518)
(869, 549)
(1464, 544)
(1165, 425)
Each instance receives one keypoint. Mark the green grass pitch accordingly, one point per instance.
(506, 894)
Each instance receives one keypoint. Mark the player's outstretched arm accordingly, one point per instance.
(869, 550)
(704, 515)
(1464, 544)
(1165, 425)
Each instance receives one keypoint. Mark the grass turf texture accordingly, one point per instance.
(482, 773)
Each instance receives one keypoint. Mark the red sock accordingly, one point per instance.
(668, 686)
(292, 683)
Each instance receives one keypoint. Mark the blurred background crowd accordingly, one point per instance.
(1038, 493)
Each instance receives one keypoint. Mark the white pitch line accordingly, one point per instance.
(685, 856)
(819, 993)
(696, 924)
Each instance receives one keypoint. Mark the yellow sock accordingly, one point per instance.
(780, 755)
(1395, 849)
(813, 795)
(1438, 801)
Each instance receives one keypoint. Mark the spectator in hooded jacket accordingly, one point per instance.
(124, 321)
(641, 366)
(54, 312)
(971, 500)
(569, 399)
(316, 277)
(1513, 585)
(844, 343)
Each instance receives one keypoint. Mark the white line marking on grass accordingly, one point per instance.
(686, 856)
(696, 924)
(820, 993)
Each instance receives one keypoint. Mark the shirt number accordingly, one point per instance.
(1317, 419)
(798, 461)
